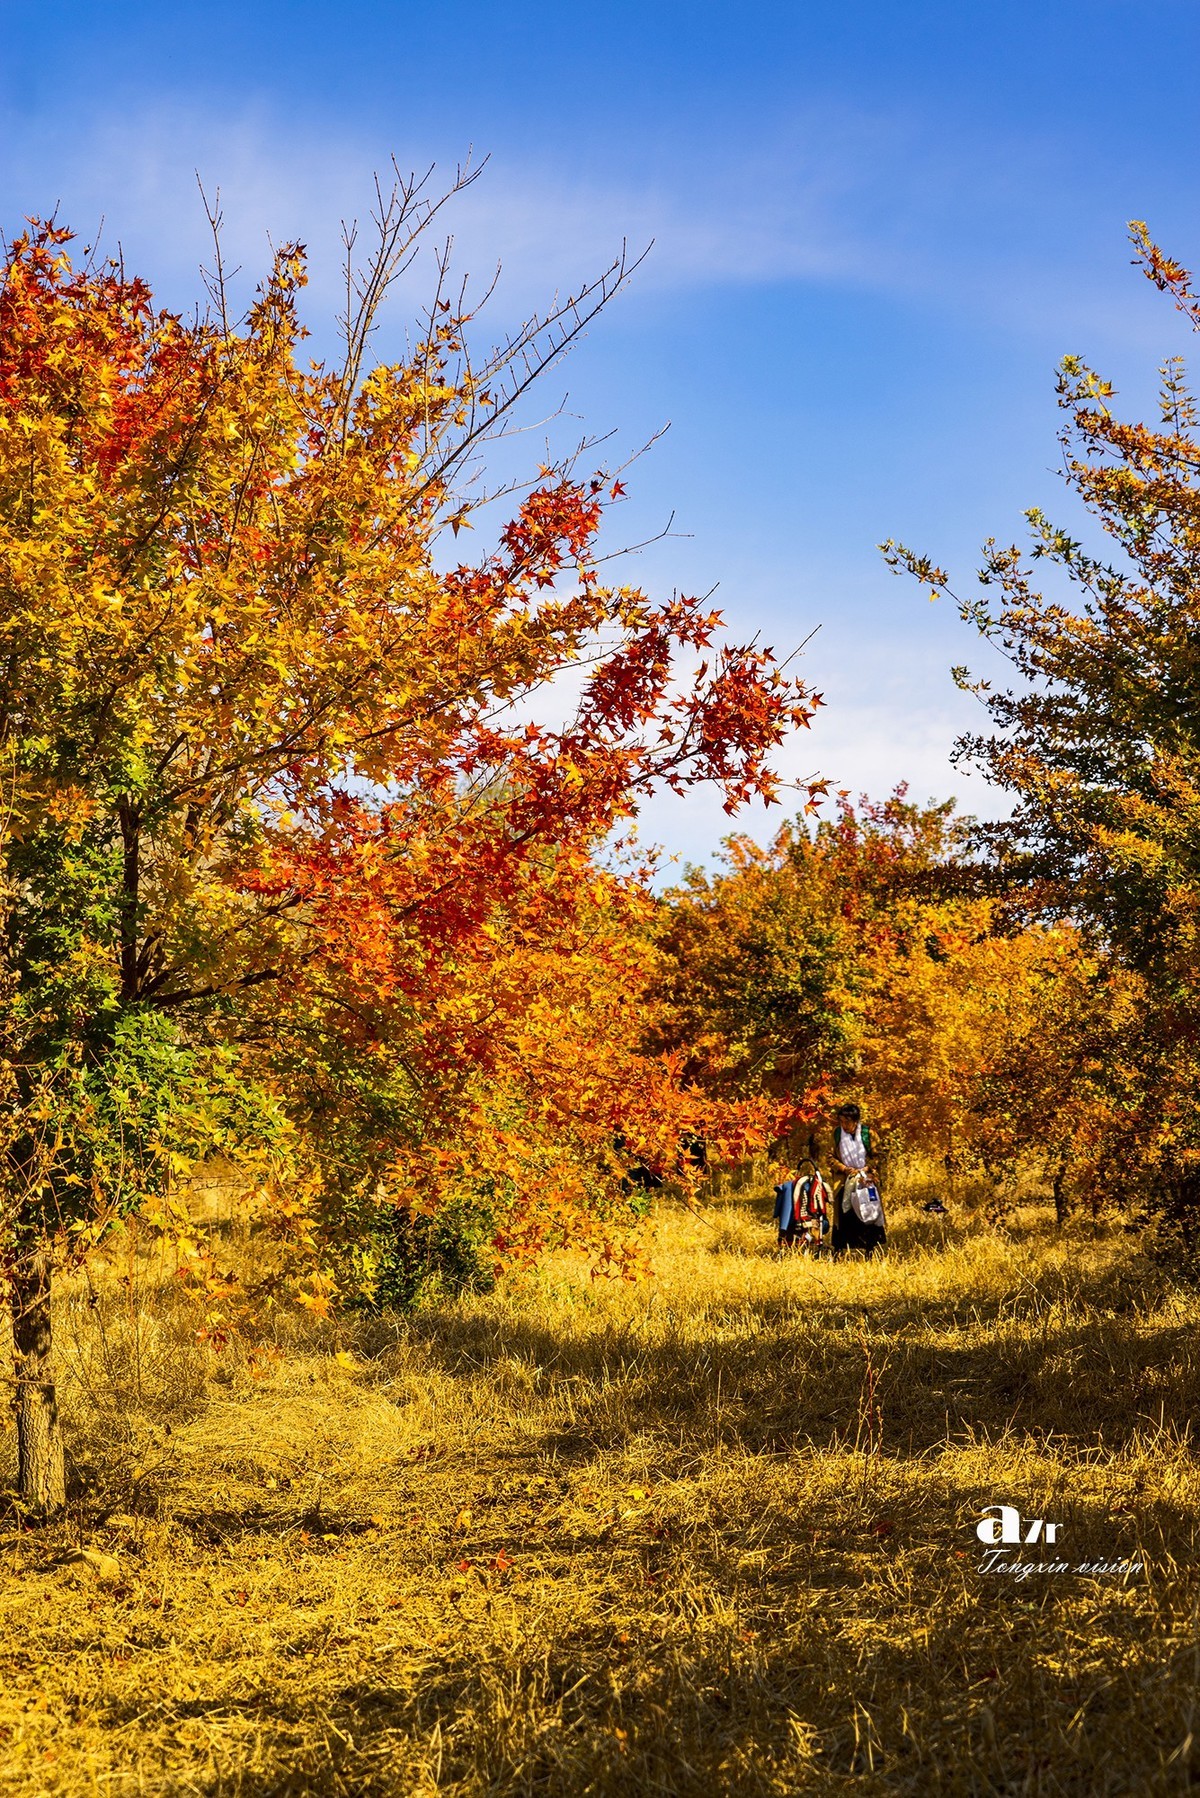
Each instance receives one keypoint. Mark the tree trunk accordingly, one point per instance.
(1060, 1197)
(42, 1481)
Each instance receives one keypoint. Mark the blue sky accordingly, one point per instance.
(877, 227)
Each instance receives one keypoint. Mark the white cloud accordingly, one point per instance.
(867, 747)
(871, 202)
(743, 224)
(831, 198)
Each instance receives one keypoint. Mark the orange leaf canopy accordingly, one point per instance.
(255, 741)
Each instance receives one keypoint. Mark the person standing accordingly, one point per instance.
(858, 1220)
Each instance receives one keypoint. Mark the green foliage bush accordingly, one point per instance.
(408, 1258)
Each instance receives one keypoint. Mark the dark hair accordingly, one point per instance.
(849, 1111)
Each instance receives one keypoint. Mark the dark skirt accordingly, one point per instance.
(850, 1234)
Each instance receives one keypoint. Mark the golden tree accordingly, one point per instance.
(252, 738)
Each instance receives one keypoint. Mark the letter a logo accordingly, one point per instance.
(999, 1523)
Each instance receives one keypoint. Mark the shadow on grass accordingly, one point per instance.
(784, 1681)
(1070, 1362)
(912, 1375)
(774, 1623)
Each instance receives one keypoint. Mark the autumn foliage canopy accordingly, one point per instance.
(291, 872)
(315, 837)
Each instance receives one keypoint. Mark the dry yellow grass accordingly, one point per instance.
(707, 1534)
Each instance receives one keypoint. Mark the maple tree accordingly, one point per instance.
(270, 790)
(779, 958)
(760, 984)
(514, 1075)
(1098, 739)
(877, 953)
(994, 1044)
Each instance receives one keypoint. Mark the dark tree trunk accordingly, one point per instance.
(1060, 1197)
(41, 1470)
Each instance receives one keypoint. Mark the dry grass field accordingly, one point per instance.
(710, 1533)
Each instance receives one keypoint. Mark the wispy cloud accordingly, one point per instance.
(869, 202)
(277, 176)
(783, 211)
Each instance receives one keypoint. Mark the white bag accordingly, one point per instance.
(863, 1199)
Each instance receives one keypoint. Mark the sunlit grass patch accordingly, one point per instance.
(707, 1532)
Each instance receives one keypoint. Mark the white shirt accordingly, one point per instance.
(851, 1151)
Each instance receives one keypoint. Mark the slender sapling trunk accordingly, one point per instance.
(1060, 1197)
(41, 1469)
